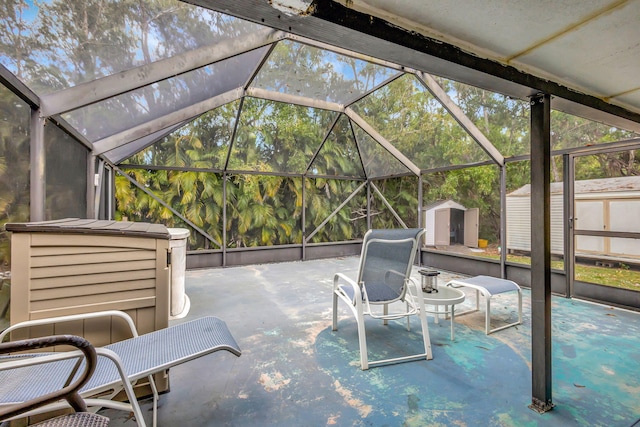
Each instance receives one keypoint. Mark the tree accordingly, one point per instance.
(569, 131)
(274, 143)
(14, 167)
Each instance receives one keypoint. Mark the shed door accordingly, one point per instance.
(590, 217)
(471, 220)
(623, 216)
(442, 227)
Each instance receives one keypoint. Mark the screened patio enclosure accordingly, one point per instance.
(286, 135)
(266, 145)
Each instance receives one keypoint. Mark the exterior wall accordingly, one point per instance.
(612, 211)
(59, 274)
(519, 223)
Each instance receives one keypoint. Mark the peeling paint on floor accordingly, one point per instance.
(347, 395)
(296, 371)
(273, 381)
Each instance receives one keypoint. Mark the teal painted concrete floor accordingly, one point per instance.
(294, 371)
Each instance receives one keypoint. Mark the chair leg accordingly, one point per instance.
(487, 326)
(152, 383)
(453, 307)
(422, 315)
(334, 326)
(520, 306)
(362, 339)
(425, 334)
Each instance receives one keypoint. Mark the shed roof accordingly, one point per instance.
(440, 203)
(603, 185)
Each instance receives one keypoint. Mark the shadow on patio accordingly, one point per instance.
(294, 371)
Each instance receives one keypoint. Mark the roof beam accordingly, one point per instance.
(382, 141)
(123, 152)
(179, 116)
(293, 99)
(16, 86)
(64, 125)
(125, 81)
(460, 116)
(349, 53)
(607, 9)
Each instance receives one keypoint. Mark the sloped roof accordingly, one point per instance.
(134, 81)
(440, 203)
(603, 185)
(585, 54)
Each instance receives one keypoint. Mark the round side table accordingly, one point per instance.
(446, 296)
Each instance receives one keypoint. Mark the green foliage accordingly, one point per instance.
(324, 196)
(69, 43)
(569, 131)
(477, 187)
(14, 167)
(402, 195)
(192, 194)
(263, 210)
(607, 165)
(278, 137)
(411, 119)
(503, 120)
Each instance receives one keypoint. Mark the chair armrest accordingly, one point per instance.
(357, 291)
(126, 385)
(415, 290)
(70, 391)
(70, 318)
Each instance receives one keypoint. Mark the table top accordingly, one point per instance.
(445, 296)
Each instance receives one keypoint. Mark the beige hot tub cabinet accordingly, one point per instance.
(75, 266)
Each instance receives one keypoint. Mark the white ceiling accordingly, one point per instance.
(585, 53)
(592, 46)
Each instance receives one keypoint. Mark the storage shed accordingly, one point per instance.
(448, 223)
(611, 204)
(73, 266)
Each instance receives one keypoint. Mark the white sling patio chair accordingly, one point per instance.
(123, 363)
(384, 278)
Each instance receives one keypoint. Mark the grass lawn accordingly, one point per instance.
(617, 277)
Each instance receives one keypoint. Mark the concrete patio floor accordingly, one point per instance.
(295, 371)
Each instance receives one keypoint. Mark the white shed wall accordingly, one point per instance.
(615, 211)
(519, 223)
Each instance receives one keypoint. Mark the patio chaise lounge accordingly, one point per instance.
(51, 365)
(119, 365)
(384, 273)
